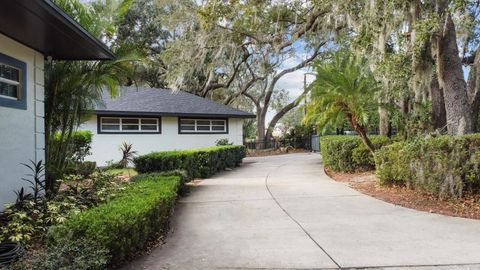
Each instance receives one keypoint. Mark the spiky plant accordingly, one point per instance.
(127, 154)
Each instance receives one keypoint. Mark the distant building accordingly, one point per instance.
(157, 120)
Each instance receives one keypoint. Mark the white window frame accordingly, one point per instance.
(20, 101)
(121, 124)
(196, 125)
(12, 82)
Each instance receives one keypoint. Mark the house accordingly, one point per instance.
(158, 120)
(30, 31)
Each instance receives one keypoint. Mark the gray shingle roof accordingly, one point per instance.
(154, 101)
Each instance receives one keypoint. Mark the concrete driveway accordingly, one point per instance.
(283, 212)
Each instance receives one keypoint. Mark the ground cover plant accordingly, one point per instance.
(28, 219)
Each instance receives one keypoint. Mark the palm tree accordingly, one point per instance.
(74, 87)
(344, 89)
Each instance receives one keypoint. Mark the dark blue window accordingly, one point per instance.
(13, 82)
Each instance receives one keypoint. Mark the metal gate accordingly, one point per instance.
(315, 143)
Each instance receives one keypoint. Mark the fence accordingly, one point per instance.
(302, 143)
(315, 143)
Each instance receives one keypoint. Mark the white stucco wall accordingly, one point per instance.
(106, 147)
(21, 131)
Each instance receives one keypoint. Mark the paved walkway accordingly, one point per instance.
(283, 212)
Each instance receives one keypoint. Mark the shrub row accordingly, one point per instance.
(445, 165)
(202, 162)
(126, 222)
(348, 153)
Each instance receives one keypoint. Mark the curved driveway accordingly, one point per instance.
(283, 212)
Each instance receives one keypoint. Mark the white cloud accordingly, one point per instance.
(293, 83)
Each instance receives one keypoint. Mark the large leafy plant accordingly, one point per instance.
(72, 88)
(344, 90)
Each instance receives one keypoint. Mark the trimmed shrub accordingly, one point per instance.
(126, 222)
(445, 165)
(84, 169)
(81, 141)
(202, 162)
(184, 178)
(348, 153)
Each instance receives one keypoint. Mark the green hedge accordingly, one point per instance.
(202, 162)
(444, 165)
(80, 143)
(125, 223)
(347, 153)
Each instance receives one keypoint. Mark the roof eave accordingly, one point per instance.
(44, 27)
(137, 113)
(76, 27)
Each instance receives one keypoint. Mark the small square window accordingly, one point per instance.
(220, 123)
(149, 127)
(218, 128)
(203, 122)
(187, 127)
(129, 127)
(12, 82)
(149, 121)
(9, 90)
(187, 122)
(111, 127)
(111, 120)
(203, 128)
(129, 121)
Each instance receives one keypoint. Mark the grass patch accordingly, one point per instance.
(128, 171)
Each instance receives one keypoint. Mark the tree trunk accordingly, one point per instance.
(450, 74)
(361, 132)
(384, 120)
(473, 87)
(279, 116)
(261, 142)
(439, 117)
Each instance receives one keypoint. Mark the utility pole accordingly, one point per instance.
(305, 89)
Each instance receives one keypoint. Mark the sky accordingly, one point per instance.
(293, 82)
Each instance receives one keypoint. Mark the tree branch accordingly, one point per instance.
(236, 68)
(252, 99)
(243, 90)
(282, 112)
(311, 22)
(289, 70)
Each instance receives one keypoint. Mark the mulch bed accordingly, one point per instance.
(365, 182)
(274, 152)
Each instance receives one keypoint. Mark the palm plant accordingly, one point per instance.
(127, 154)
(72, 88)
(344, 90)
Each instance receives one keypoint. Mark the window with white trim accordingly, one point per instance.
(187, 125)
(13, 89)
(129, 125)
(10, 82)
